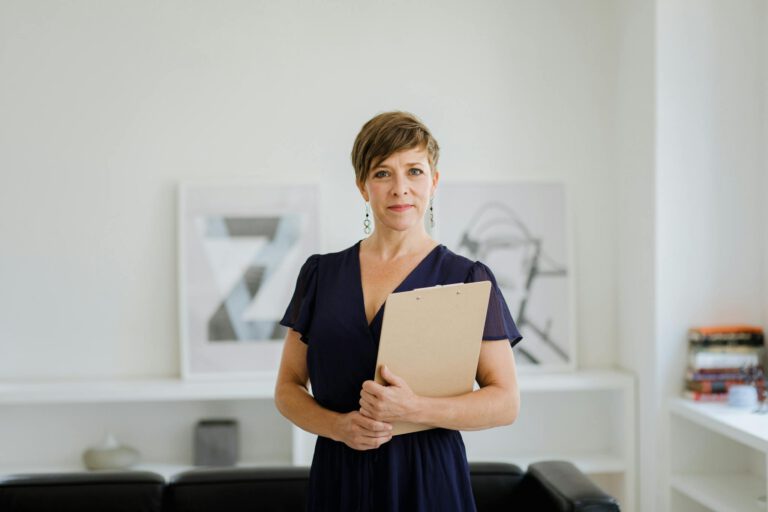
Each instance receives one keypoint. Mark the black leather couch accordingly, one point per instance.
(554, 486)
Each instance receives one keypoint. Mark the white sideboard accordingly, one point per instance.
(586, 417)
(718, 458)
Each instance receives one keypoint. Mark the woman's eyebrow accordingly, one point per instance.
(385, 166)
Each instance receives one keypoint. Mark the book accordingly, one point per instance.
(714, 374)
(721, 359)
(705, 373)
(705, 397)
(729, 349)
(713, 386)
(727, 328)
(727, 335)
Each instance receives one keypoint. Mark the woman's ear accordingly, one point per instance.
(435, 179)
(363, 192)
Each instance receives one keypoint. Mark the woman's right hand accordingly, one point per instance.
(362, 433)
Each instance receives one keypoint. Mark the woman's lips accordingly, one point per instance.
(400, 207)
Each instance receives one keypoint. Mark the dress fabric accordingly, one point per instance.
(420, 471)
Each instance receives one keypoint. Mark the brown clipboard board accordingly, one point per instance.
(431, 338)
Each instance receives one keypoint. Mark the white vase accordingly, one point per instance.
(742, 396)
(110, 455)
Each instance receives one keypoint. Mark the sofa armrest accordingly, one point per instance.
(560, 486)
(494, 485)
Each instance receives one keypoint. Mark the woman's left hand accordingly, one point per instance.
(393, 402)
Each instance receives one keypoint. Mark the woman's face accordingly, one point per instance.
(399, 189)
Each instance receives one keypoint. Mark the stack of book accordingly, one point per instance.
(722, 356)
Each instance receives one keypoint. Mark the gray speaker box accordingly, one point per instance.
(216, 442)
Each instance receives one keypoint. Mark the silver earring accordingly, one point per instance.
(431, 213)
(367, 221)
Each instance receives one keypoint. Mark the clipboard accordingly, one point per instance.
(431, 338)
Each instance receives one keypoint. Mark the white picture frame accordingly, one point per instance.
(240, 248)
(522, 231)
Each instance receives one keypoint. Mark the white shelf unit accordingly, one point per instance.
(719, 458)
(47, 425)
(586, 417)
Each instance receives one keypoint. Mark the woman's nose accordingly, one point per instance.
(400, 186)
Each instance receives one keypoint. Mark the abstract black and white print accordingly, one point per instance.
(245, 257)
(241, 250)
(520, 231)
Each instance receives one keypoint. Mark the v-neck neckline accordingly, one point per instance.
(397, 288)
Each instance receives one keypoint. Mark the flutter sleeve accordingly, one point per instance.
(298, 315)
(499, 324)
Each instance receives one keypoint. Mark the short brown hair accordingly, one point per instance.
(386, 134)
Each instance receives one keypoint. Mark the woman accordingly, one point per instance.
(335, 320)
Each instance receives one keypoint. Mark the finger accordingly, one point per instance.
(376, 426)
(390, 377)
(369, 386)
(377, 435)
(373, 388)
(372, 410)
(364, 443)
(366, 420)
(386, 374)
(371, 402)
(365, 406)
(367, 414)
(372, 444)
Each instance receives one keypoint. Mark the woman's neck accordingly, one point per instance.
(386, 244)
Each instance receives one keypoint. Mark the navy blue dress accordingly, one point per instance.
(421, 471)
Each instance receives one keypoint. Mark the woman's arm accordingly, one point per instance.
(496, 403)
(293, 400)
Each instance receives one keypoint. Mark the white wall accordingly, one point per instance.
(709, 181)
(692, 163)
(105, 107)
(635, 146)
(710, 169)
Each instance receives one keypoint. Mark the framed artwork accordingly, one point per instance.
(520, 230)
(241, 247)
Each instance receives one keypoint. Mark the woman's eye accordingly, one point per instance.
(416, 171)
(380, 174)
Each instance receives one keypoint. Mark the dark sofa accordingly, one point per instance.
(555, 486)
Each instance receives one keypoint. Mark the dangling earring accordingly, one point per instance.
(431, 213)
(367, 221)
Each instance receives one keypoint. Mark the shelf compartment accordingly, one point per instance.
(739, 492)
(51, 435)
